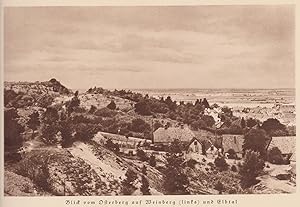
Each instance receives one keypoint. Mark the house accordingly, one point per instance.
(195, 146)
(202, 147)
(166, 135)
(233, 142)
(127, 145)
(209, 137)
(287, 145)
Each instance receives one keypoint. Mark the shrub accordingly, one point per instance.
(234, 168)
(92, 109)
(274, 128)
(152, 161)
(142, 108)
(85, 132)
(142, 155)
(221, 164)
(253, 165)
(112, 105)
(176, 181)
(12, 129)
(275, 156)
(139, 125)
(191, 163)
(127, 185)
(145, 186)
(219, 187)
(232, 154)
(105, 112)
(255, 140)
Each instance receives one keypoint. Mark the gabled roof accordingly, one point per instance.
(231, 141)
(293, 157)
(170, 134)
(204, 142)
(287, 145)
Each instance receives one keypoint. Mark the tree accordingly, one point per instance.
(33, 122)
(143, 108)
(209, 120)
(176, 181)
(144, 170)
(251, 122)
(243, 123)
(175, 147)
(205, 103)
(139, 125)
(152, 161)
(274, 127)
(92, 109)
(112, 105)
(45, 101)
(74, 103)
(219, 187)
(255, 140)
(128, 184)
(49, 126)
(275, 156)
(253, 165)
(12, 130)
(66, 132)
(85, 132)
(112, 146)
(145, 186)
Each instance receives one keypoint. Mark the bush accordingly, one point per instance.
(234, 168)
(232, 154)
(142, 155)
(112, 105)
(191, 163)
(127, 184)
(92, 109)
(275, 156)
(85, 132)
(139, 125)
(12, 130)
(219, 187)
(145, 186)
(221, 164)
(105, 112)
(255, 140)
(142, 108)
(253, 165)
(152, 161)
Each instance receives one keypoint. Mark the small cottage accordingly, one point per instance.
(166, 135)
(195, 146)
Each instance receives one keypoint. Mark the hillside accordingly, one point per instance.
(102, 143)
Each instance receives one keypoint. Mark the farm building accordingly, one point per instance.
(202, 146)
(287, 145)
(127, 145)
(207, 136)
(233, 142)
(195, 146)
(167, 135)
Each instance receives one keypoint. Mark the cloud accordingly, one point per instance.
(152, 45)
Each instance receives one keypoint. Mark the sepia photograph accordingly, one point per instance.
(149, 100)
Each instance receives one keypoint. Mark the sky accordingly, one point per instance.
(152, 47)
